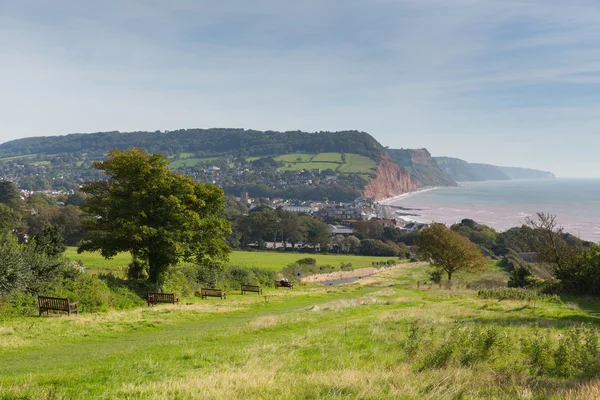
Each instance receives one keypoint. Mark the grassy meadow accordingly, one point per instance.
(270, 260)
(386, 336)
(354, 163)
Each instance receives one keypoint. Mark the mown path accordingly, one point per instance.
(85, 365)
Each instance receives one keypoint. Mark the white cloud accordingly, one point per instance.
(464, 78)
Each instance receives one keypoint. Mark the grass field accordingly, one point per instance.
(295, 157)
(382, 338)
(309, 165)
(270, 260)
(329, 157)
(191, 161)
(354, 163)
(357, 163)
(17, 157)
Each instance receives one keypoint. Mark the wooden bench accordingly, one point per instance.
(57, 304)
(212, 293)
(251, 288)
(284, 284)
(169, 298)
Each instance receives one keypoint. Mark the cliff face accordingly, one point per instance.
(391, 180)
(424, 170)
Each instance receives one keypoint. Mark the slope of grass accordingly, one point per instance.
(356, 163)
(380, 338)
(295, 157)
(328, 157)
(17, 157)
(309, 165)
(190, 162)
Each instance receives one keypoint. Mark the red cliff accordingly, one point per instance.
(391, 180)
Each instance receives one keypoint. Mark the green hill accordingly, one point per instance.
(200, 142)
(302, 165)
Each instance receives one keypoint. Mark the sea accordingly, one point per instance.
(506, 204)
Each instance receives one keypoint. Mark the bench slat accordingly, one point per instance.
(154, 298)
(206, 292)
(57, 304)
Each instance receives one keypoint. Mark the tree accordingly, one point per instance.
(317, 232)
(550, 245)
(373, 247)
(9, 219)
(9, 194)
(158, 216)
(450, 251)
(49, 241)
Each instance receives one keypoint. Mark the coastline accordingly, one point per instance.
(402, 196)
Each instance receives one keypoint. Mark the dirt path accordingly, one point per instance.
(338, 275)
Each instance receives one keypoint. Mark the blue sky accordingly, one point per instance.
(509, 82)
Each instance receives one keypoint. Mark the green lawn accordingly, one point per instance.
(271, 260)
(17, 157)
(190, 162)
(379, 338)
(295, 157)
(309, 165)
(357, 163)
(329, 157)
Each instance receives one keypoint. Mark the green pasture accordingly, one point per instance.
(271, 260)
(384, 337)
(356, 163)
(192, 161)
(295, 157)
(328, 157)
(18, 157)
(309, 165)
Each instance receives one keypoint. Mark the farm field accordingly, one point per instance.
(354, 163)
(357, 163)
(329, 157)
(385, 337)
(270, 260)
(190, 162)
(309, 165)
(295, 157)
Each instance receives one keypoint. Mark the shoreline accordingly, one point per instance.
(406, 195)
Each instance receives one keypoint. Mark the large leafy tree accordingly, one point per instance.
(450, 251)
(158, 216)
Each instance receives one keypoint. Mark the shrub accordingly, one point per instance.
(517, 294)
(346, 267)
(436, 276)
(307, 261)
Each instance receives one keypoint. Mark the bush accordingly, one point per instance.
(371, 247)
(436, 276)
(307, 261)
(346, 267)
(90, 291)
(517, 294)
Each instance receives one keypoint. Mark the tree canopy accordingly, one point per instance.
(450, 251)
(160, 217)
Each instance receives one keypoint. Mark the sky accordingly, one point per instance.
(507, 82)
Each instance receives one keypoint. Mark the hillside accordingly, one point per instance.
(463, 171)
(301, 165)
(201, 142)
(421, 166)
(526, 173)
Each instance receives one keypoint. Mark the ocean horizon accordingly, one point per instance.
(506, 204)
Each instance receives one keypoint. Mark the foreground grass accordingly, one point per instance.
(356, 341)
(269, 260)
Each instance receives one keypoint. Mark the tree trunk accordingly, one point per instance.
(449, 276)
